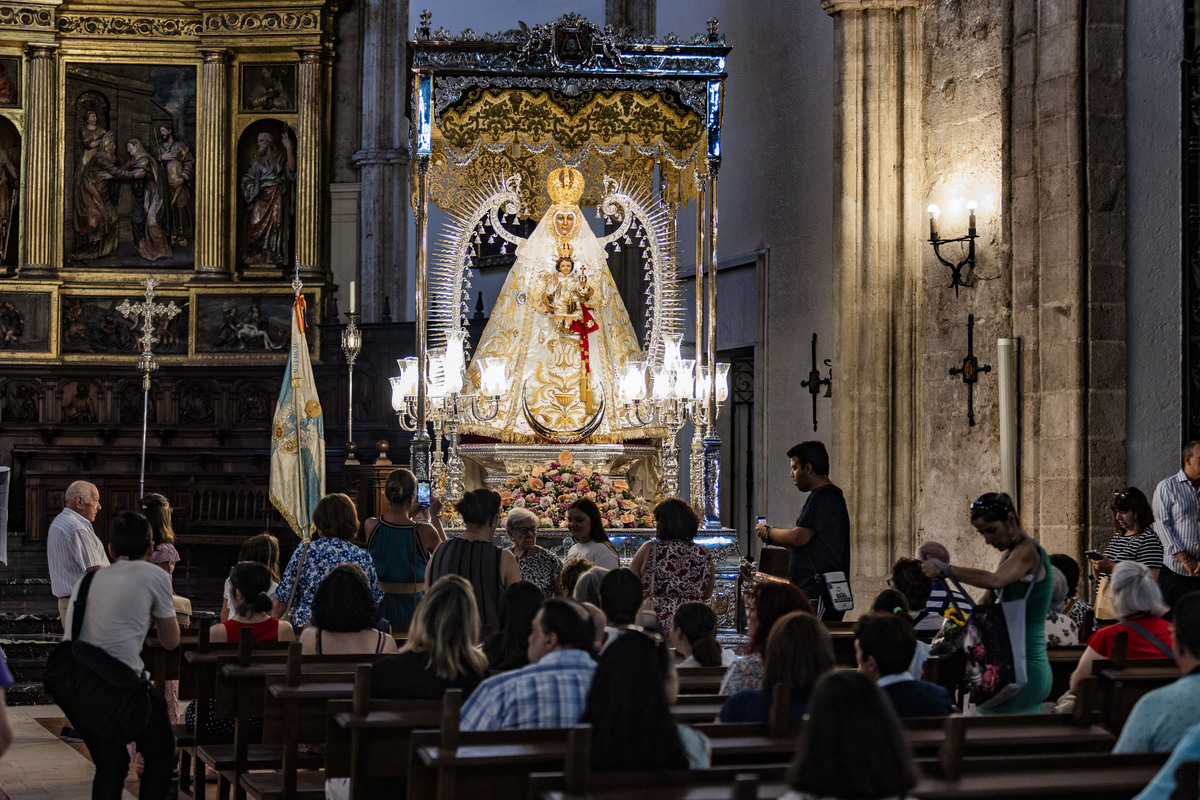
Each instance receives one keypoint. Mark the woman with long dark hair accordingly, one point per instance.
(851, 746)
(629, 709)
(344, 618)
(694, 636)
(765, 605)
(508, 647)
(799, 653)
(586, 527)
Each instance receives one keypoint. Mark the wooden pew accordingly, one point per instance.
(693, 708)
(369, 739)
(241, 693)
(700, 680)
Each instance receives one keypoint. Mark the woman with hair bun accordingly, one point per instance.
(694, 636)
(400, 546)
(473, 555)
(250, 582)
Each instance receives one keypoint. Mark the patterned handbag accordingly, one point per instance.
(994, 644)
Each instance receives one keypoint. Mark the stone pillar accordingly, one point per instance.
(876, 263)
(310, 91)
(383, 161)
(41, 160)
(212, 207)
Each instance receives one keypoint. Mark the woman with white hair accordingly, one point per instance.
(1139, 605)
(1060, 629)
(537, 564)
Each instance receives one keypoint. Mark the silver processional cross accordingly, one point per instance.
(146, 311)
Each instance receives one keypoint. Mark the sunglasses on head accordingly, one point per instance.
(991, 506)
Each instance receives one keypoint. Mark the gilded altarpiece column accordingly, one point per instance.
(41, 192)
(877, 260)
(212, 215)
(310, 89)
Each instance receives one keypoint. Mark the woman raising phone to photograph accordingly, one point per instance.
(400, 546)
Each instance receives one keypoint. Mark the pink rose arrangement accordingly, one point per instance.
(550, 490)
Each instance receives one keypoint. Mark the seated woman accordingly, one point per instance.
(891, 601)
(1139, 604)
(572, 571)
(336, 521)
(1060, 629)
(629, 709)
(263, 548)
(508, 647)
(587, 588)
(400, 546)
(799, 653)
(674, 569)
(767, 603)
(537, 564)
(586, 527)
(472, 555)
(441, 651)
(850, 722)
(250, 583)
(694, 636)
(344, 619)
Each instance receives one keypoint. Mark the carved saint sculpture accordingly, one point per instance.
(270, 94)
(561, 324)
(266, 190)
(141, 170)
(178, 170)
(95, 206)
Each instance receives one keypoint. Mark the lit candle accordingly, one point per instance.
(351, 297)
(971, 206)
(934, 211)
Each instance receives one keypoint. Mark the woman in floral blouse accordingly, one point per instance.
(674, 569)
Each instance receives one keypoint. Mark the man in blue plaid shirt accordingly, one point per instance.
(552, 690)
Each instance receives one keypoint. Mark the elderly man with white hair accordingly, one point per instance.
(1139, 605)
(72, 546)
(538, 565)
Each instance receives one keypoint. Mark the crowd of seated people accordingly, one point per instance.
(535, 644)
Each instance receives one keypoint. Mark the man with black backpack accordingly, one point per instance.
(106, 693)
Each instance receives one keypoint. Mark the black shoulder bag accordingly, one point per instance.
(99, 694)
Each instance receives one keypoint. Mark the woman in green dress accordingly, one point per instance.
(995, 518)
(400, 547)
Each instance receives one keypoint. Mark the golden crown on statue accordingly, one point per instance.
(565, 186)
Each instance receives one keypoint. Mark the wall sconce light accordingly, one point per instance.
(935, 239)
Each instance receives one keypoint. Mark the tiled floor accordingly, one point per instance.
(40, 765)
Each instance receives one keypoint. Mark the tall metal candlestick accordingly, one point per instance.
(351, 344)
(147, 311)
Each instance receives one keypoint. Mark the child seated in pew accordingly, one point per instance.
(344, 617)
(851, 745)
(629, 709)
(263, 548)
(440, 653)
(890, 601)
(799, 653)
(250, 581)
(694, 636)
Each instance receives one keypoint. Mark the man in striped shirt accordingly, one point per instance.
(1177, 514)
(72, 547)
(939, 600)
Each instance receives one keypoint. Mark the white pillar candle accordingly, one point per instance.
(351, 297)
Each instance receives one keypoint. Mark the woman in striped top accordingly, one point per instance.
(1135, 539)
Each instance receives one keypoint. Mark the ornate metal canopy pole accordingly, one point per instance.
(147, 311)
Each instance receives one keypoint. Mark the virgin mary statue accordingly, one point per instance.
(563, 328)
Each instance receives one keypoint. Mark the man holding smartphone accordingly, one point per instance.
(820, 540)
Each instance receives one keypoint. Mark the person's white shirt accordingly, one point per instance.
(727, 657)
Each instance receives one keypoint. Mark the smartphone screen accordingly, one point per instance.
(423, 493)
(762, 520)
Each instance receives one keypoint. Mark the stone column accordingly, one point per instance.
(310, 154)
(212, 207)
(41, 160)
(383, 161)
(876, 263)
